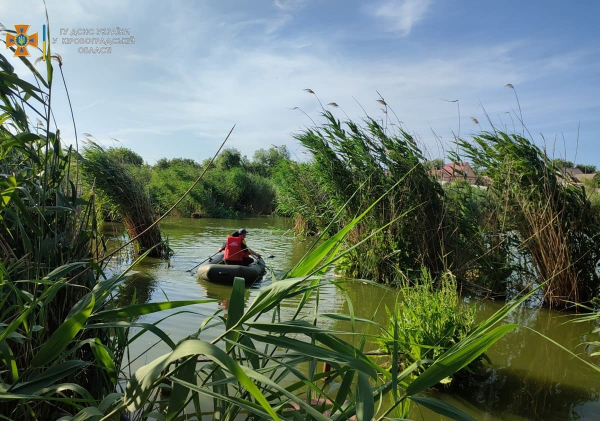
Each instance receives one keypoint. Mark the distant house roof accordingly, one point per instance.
(574, 175)
(584, 176)
(573, 172)
(454, 171)
(457, 167)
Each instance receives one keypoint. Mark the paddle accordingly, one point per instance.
(208, 258)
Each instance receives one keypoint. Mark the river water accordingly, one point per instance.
(529, 379)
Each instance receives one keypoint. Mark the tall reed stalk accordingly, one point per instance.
(352, 164)
(127, 194)
(552, 216)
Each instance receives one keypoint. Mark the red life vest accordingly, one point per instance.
(233, 248)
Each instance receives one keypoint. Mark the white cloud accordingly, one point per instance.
(257, 89)
(401, 15)
(247, 66)
(290, 4)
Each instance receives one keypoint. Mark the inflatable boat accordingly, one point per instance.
(214, 270)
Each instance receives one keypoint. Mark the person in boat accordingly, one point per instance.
(236, 250)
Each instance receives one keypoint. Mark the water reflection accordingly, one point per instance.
(505, 392)
(219, 292)
(531, 378)
(137, 289)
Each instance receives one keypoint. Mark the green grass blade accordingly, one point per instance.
(179, 394)
(65, 333)
(244, 404)
(365, 405)
(50, 376)
(294, 326)
(321, 354)
(104, 359)
(139, 386)
(457, 358)
(220, 406)
(8, 359)
(236, 309)
(90, 412)
(589, 364)
(135, 310)
(270, 296)
(442, 408)
(126, 325)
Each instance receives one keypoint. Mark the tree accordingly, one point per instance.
(561, 163)
(586, 169)
(184, 162)
(165, 163)
(162, 163)
(125, 156)
(264, 162)
(228, 159)
(434, 164)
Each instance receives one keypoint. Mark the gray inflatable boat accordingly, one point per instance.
(214, 270)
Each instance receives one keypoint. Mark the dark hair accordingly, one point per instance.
(235, 234)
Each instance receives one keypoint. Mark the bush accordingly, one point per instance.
(428, 320)
(227, 190)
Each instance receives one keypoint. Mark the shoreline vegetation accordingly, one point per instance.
(368, 192)
(510, 220)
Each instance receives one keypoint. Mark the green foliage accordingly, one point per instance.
(483, 250)
(586, 169)
(428, 320)
(264, 162)
(47, 242)
(103, 170)
(125, 156)
(552, 217)
(353, 164)
(233, 187)
(559, 163)
(222, 192)
(62, 340)
(299, 195)
(228, 159)
(435, 164)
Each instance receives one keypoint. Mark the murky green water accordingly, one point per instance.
(530, 379)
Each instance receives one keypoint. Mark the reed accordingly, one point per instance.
(48, 239)
(127, 194)
(352, 164)
(552, 216)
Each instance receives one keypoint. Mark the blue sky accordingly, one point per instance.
(198, 67)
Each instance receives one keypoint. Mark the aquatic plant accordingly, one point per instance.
(352, 164)
(127, 194)
(552, 216)
(428, 319)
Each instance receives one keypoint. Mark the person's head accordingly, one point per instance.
(235, 234)
(242, 232)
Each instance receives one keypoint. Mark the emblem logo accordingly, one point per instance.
(21, 40)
